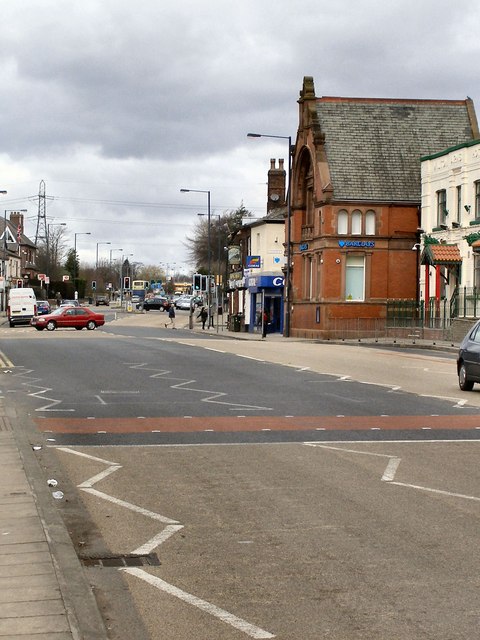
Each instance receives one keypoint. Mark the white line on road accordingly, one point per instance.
(128, 505)
(242, 625)
(159, 539)
(100, 476)
(445, 493)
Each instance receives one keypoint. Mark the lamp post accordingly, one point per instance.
(80, 233)
(96, 265)
(286, 329)
(217, 215)
(208, 246)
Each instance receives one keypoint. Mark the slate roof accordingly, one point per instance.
(373, 146)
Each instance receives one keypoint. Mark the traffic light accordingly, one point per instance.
(126, 282)
(19, 284)
(204, 283)
(94, 285)
(197, 282)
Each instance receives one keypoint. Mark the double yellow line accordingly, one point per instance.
(5, 362)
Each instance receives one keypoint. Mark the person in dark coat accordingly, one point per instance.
(203, 315)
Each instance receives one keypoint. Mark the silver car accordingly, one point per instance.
(468, 361)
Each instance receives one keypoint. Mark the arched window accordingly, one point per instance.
(342, 223)
(370, 223)
(356, 222)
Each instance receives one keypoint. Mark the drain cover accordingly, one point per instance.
(121, 560)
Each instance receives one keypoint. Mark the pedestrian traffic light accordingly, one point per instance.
(94, 285)
(197, 282)
(126, 282)
(19, 284)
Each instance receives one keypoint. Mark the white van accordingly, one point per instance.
(22, 306)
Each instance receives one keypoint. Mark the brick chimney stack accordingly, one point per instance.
(276, 185)
(16, 218)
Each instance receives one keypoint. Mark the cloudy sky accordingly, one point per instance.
(118, 105)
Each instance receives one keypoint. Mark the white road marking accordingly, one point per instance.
(393, 464)
(130, 506)
(216, 350)
(247, 628)
(249, 357)
(445, 493)
(100, 476)
(101, 400)
(159, 539)
(391, 470)
(173, 526)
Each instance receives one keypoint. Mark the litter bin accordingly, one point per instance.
(237, 321)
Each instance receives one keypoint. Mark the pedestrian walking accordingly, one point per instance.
(203, 315)
(171, 316)
(264, 324)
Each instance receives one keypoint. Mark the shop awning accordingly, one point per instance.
(446, 254)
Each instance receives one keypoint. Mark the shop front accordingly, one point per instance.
(266, 297)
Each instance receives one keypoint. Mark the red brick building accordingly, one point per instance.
(356, 196)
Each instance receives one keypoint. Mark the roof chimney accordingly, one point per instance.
(276, 185)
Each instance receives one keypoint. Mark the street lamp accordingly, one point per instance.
(111, 250)
(96, 263)
(217, 215)
(80, 233)
(286, 329)
(208, 247)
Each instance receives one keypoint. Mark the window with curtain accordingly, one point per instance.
(342, 223)
(355, 278)
(356, 223)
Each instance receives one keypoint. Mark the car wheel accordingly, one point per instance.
(463, 381)
(91, 325)
(39, 328)
(78, 328)
(51, 326)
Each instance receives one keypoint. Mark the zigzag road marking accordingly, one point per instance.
(184, 385)
(391, 470)
(172, 527)
(52, 402)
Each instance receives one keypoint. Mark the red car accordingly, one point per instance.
(78, 317)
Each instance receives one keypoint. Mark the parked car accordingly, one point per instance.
(70, 303)
(468, 361)
(158, 302)
(43, 307)
(102, 300)
(77, 317)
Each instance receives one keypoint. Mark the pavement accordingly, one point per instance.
(44, 594)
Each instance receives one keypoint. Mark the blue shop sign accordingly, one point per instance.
(265, 282)
(303, 246)
(356, 243)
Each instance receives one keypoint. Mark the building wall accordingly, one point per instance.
(320, 264)
(459, 167)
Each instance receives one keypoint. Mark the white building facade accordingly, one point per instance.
(450, 215)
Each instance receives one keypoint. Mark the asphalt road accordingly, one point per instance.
(290, 490)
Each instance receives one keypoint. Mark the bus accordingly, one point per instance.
(139, 288)
(140, 285)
